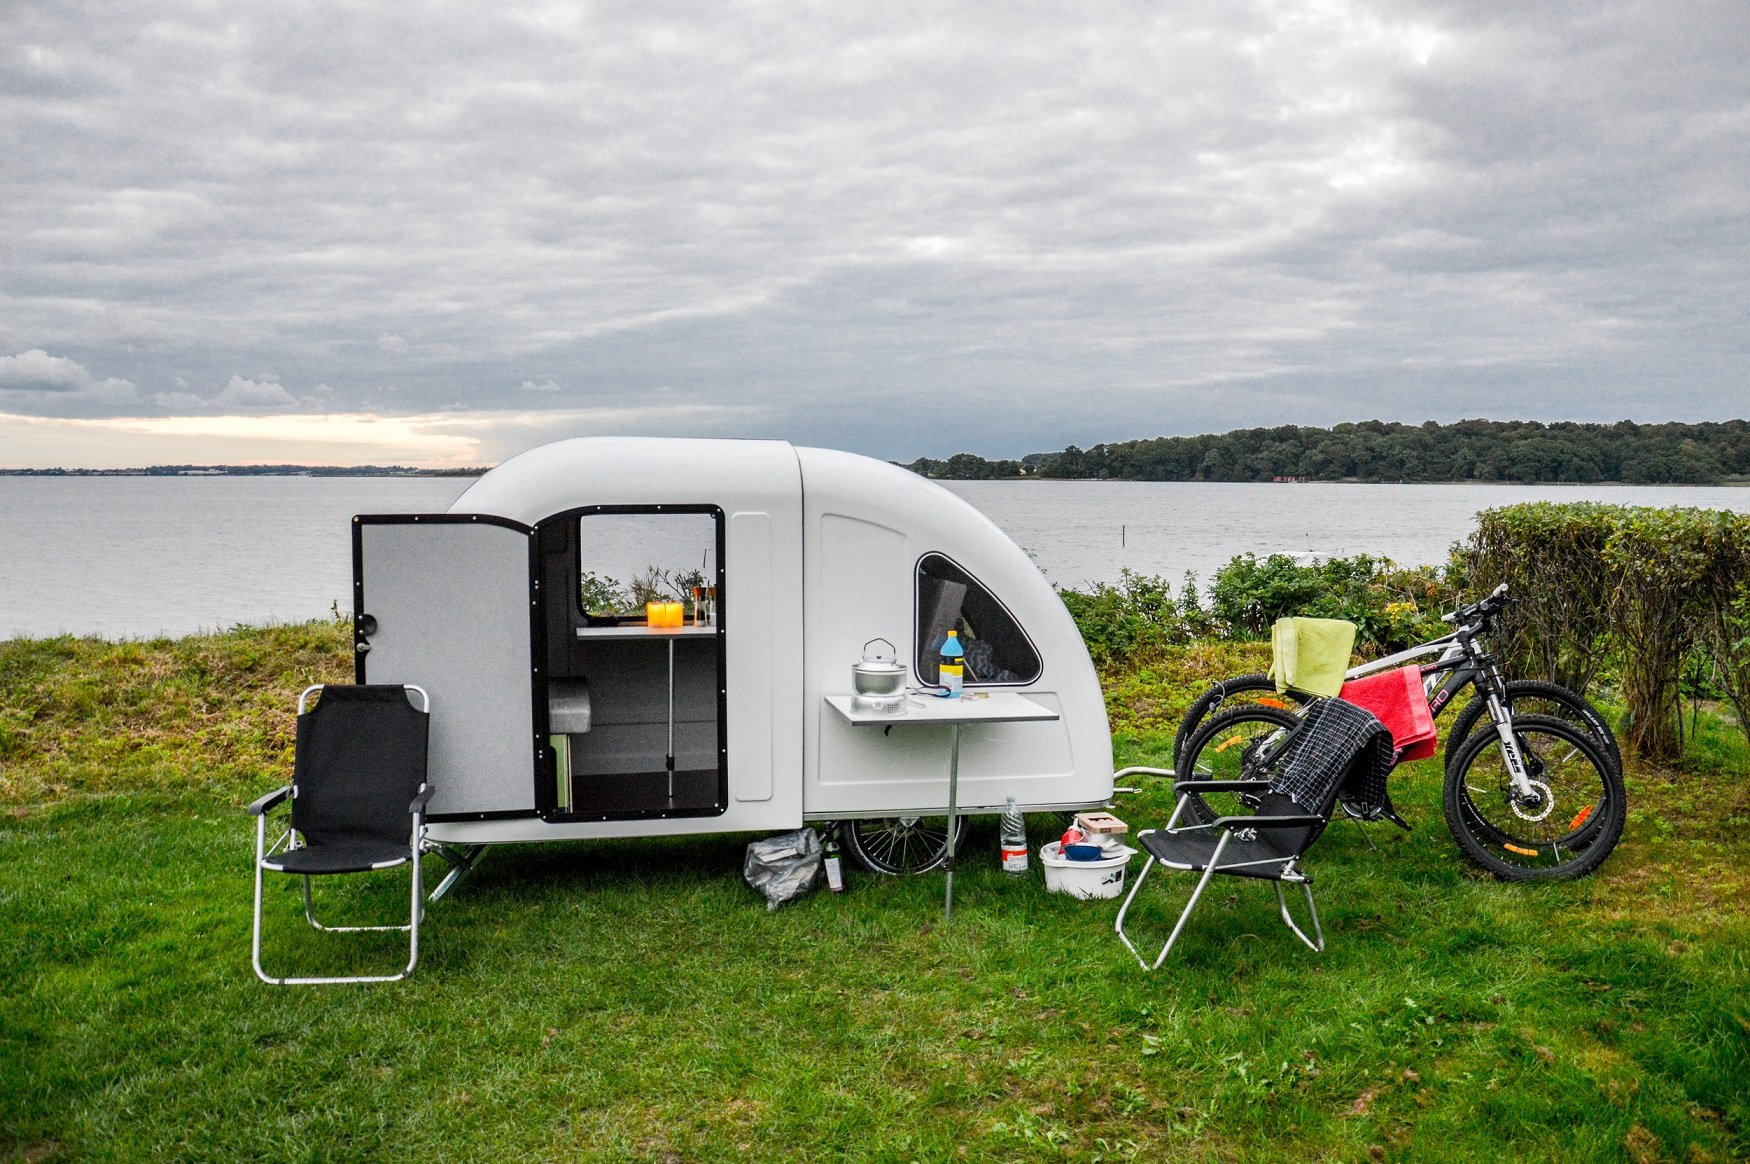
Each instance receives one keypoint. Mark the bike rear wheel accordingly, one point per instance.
(1224, 748)
(1239, 691)
(1568, 824)
(1537, 697)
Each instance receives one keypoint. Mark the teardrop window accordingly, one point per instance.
(998, 651)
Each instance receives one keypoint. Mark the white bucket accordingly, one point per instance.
(1084, 879)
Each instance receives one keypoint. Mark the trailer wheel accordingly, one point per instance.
(898, 845)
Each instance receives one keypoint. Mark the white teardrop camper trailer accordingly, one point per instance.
(553, 718)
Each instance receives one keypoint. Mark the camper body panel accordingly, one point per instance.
(872, 533)
(819, 553)
(754, 489)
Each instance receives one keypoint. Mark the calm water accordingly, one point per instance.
(130, 557)
(1087, 531)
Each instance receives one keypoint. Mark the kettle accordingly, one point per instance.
(878, 678)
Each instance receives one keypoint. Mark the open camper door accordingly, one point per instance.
(450, 602)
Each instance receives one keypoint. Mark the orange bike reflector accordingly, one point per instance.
(1273, 703)
(1580, 819)
(1228, 743)
(1523, 852)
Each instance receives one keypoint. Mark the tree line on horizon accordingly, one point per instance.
(1520, 451)
(251, 471)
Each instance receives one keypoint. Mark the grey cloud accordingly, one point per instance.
(254, 395)
(35, 381)
(904, 230)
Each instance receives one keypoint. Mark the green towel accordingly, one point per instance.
(1310, 654)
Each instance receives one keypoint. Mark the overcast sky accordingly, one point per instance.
(440, 233)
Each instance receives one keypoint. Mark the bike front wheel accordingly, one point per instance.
(1563, 826)
(1537, 697)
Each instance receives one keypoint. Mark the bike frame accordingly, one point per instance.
(1463, 661)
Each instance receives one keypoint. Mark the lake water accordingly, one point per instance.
(128, 557)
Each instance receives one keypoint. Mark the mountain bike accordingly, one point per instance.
(1536, 796)
(1524, 696)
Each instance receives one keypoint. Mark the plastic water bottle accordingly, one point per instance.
(951, 670)
(1014, 840)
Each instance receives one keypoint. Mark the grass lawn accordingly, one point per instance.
(635, 1001)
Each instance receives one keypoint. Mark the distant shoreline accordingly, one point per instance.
(398, 471)
(253, 471)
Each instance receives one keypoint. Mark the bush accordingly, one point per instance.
(1549, 555)
(1391, 607)
(1135, 619)
(1648, 589)
(1141, 617)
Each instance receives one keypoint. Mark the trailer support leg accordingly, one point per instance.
(462, 862)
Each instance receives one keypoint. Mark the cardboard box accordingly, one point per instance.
(1101, 824)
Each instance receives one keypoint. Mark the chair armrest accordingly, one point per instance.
(1181, 787)
(420, 799)
(262, 804)
(1297, 821)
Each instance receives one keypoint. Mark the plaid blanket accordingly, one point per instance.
(1336, 744)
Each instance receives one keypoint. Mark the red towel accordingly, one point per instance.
(1397, 698)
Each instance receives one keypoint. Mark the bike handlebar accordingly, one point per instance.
(1479, 614)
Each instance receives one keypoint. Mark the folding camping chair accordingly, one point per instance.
(1294, 784)
(358, 797)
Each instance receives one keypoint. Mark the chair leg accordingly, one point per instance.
(1122, 910)
(310, 916)
(255, 938)
(1364, 833)
(416, 912)
(1197, 893)
(1317, 947)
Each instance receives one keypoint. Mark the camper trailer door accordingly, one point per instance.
(449, 601)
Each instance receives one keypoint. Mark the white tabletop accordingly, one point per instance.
(638, 630)
(973, 707)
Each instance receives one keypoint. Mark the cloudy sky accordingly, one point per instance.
(439, 233)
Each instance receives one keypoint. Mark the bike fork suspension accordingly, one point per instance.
(1510, 753)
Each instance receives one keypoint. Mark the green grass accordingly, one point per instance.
(635, 1001)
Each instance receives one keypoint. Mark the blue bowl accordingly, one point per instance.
(1083, 852)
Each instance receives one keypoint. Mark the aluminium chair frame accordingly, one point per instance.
(289, 840)
(1230, 827)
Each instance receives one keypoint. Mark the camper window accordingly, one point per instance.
(629, 558)
(998, 651)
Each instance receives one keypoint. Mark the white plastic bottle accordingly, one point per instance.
(1014, 840)
(951, 671)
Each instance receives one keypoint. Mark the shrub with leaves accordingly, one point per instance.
(1549, 555)
(1136, 618)
(1392, 607)
(1641, 588)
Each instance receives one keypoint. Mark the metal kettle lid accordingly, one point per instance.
(879, 661)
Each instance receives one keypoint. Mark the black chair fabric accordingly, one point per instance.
(343, 855)
(361, 758)
(1193, 849)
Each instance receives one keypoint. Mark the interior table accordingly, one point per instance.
(671, 633)
(972, 707)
